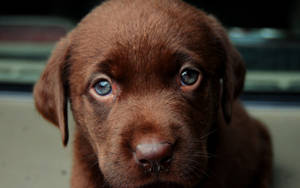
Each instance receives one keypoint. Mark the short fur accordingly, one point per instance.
(141, 45)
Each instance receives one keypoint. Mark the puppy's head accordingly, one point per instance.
(146, 80)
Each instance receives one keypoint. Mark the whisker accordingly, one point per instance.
(208, 134)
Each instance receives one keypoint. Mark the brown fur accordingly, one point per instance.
(141, 45)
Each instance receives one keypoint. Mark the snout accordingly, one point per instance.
(153, 155)
(145, 148)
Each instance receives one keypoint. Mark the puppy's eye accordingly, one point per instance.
(189, 77)
(103, 87)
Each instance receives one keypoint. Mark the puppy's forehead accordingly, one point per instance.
(130, 38)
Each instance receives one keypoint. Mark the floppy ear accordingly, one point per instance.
(50, 92)
(234, 73)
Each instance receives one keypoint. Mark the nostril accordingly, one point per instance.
(166, 160)
(143, 161)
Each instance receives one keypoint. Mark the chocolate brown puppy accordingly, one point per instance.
(153, 87)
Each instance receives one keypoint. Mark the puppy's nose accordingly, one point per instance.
(154, 155)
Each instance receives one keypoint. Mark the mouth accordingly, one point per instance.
(158, 184)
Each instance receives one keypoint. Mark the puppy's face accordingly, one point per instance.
(145, 90)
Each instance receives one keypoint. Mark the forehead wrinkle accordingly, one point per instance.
(146, 59)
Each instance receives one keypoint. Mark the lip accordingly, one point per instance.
(158, 184)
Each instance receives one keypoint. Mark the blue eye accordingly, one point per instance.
(103, 87)
(189, 76)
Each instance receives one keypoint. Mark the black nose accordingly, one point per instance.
(154, 155)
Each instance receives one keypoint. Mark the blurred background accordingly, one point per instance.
(267, 34)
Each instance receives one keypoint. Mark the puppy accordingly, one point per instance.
(153, 87)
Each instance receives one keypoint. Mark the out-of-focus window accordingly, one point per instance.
(25, 44)
(272, 58)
